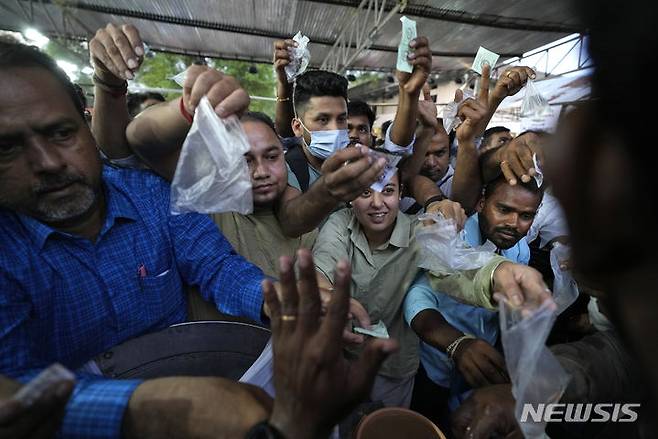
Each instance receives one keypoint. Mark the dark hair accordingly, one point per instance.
(539, 133)
(360, 108)
(493, 130)
(14, 55)
(135, 101)
(531, 186)
(385, 126)
(257, 116)
(318, 83)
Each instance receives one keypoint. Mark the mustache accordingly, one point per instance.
(50, 182)
(509, 231)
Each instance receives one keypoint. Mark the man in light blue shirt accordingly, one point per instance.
(456, 334)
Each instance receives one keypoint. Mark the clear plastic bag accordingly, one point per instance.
(534, 104)
(444, 251)
(537, 376)
(390, 169)
(565, 289)
(450, 119)
(179, 78)
(212, 175)
(299, 57)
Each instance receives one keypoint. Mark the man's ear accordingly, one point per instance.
(296, 126)
(479, 207)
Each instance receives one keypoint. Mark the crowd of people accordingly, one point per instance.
(91, 256)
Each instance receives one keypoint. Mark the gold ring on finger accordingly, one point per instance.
(288, 318)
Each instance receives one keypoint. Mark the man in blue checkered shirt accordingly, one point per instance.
(91, 257)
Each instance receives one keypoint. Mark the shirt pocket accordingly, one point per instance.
(162, 295)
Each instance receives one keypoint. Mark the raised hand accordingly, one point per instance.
(473, 112)
(511, 81)
(515, 158)
(223, 91)
(421, 59)
(427, 109)
(116, 53)
(281, 58)
(348, 172)
(315, 385)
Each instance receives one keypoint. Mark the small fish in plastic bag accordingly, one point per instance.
(450, 119)
(537, 376)
(565, 289)
(299, 57)
(443, 250)
(534, 104)
(212, 175)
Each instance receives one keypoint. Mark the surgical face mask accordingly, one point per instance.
(325, 143)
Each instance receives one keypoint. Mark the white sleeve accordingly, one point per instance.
(395, 148)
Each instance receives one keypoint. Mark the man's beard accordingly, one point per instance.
(65, 208)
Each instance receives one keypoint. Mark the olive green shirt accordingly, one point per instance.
(260, 240)
(472, 287)
(380, 278)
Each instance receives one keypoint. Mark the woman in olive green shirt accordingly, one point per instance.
(379, 242)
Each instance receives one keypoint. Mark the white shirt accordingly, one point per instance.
(550, 222)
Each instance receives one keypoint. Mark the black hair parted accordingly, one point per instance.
(361, 108)
(17, 55)
(315, 83)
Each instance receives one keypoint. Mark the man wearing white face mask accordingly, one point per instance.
(320, 108)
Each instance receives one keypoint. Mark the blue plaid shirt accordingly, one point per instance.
(65, 299)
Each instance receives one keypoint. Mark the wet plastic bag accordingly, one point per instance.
(534, 104)
(450, 119)
(565, 289)
(299, 57)
(212, 175)
(537, 376)
(443, 250)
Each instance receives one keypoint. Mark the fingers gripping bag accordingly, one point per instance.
(534, 104)
(537, 376)
(212, 175)
(443, 250)
(565, 289)
(299, 57)
(450, 119)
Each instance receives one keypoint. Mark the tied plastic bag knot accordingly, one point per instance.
(212, 175)
(534, 104)
(565, 289)
(299, 57)
(537, 376)
(450, 119)
(443, 250)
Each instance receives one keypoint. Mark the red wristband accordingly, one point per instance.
(188, 117)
